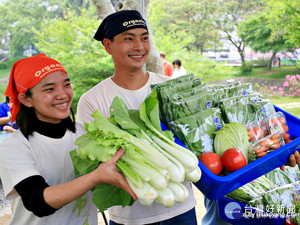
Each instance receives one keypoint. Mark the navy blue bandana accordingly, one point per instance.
(119, 22)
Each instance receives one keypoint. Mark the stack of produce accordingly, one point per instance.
(212, 119)
(277, 192)
(153, 164)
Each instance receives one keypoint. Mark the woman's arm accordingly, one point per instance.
(59, 195)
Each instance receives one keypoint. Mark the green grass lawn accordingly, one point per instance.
(283, 103)
(275, 73)
(4, 73)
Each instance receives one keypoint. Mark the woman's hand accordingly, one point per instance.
(8, 129)
(109, 173)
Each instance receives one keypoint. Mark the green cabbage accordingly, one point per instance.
(232, 135)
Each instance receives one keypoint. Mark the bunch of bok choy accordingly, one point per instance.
(153, 164)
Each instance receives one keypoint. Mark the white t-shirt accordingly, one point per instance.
(100, 97)
(40, 155)
(179, 72)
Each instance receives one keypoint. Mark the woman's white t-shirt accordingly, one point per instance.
(179, 72)
(48, 157)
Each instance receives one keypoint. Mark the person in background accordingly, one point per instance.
(5, 117)
(128, 44)
(167, 66)
(179, 69)
(35, 165)
(5, 114)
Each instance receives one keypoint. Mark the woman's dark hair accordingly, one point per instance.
(177, 62)
(6, 99)
(26, 119)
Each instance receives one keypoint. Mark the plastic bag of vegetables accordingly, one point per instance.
(197, 131)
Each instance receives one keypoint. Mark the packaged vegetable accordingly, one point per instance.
(240, 89)
(278, 122)
(255, 132)
(164, 91)
(191, 105)
(239, 109)
(265, 145)
(157, 87)
(274, 192)
(197, 131)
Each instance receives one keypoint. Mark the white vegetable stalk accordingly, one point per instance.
(165, 197)
(194, 175)
(179, 190)
(146, 194)
(189, 161)
(151, 153)
(158, 176)
(176, 170)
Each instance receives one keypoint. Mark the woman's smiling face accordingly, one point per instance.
(52, 97)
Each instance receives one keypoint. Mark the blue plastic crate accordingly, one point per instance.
(238, 213)
(214, 187)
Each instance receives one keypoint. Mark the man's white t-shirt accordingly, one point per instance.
(100, 97)
(48, 157)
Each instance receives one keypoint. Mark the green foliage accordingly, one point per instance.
(191, 25)
(257, 34)
(17, 19)
(208, 69)
(175, 39)
(70, 41)
(3, 65)
(284, 17)
(247, 66)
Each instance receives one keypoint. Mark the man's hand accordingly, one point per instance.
(294, 159)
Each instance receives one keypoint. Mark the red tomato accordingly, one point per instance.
(212, 161)
(233, 159)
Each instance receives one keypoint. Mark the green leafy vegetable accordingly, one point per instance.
(151, 160)
(232, 135)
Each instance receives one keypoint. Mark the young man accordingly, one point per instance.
(125, 37)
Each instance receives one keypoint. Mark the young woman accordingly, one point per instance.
(35, 165)
(179, 70)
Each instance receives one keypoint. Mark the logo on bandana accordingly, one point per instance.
(50, 68)
(134, 23)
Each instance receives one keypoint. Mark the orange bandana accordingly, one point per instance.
(26, 73)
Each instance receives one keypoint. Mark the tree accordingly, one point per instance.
(17, 19)
(106, 7)
(230, 14)
(284, 17)
(194, 20)
(256, 34)
(70, 41)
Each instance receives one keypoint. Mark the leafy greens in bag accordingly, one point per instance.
(197, 131)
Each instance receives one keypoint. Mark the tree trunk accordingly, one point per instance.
(241, 52)
(105, 7)
(270, 62)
